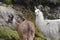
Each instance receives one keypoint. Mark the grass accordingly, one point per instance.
(8, 33)
(8, 2)
(38, 34)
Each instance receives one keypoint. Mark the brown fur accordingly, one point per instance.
(25, 30)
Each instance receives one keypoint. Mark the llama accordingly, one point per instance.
(24, 28)
(49, 28)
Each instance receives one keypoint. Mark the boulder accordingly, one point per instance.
(4, 12)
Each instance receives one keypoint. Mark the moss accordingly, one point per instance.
(7, 33)
(58, 1)
(8, 2)
(38, 34)
(46, 0)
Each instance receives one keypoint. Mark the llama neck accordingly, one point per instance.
(40, 17)
(40, 21)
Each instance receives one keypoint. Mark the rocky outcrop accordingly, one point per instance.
(4, 12)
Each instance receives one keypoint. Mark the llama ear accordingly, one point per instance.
(10, 18)
(17, 24)
(35, 7)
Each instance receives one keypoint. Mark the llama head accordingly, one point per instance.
(35, 7)
(18, 18)
(10, 18)
(11, 21)
(40, 7)
(37, 11)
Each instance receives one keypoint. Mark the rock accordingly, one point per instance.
(4, 12)
(0, 3)
(4, 5)
(52, 1)
(47, 9)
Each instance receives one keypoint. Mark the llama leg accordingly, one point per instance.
(56, 38)
(31, 35)
(21, 38)
(48, 38)
(25, 37)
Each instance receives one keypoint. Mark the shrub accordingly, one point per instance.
(7, 33)
(8, 2)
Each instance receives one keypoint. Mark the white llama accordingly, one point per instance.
(49, 28)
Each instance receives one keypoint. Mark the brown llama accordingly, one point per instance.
(24, 28)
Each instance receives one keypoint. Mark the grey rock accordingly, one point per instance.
(4, 12)
(52, 1)
(47, 9)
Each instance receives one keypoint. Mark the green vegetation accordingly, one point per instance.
(58, 1)
(38, 35)
(7, 33)
(29, 2)
(8, 2)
